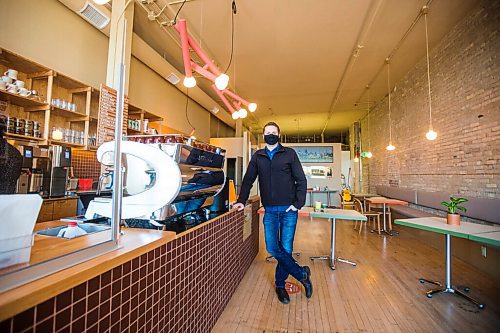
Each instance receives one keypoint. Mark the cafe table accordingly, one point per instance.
(467, 230)
(332, 215)
(363, 197)
(385, 202)
(491, 238)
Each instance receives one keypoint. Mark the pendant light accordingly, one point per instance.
(369, 152)
(390, 146)
(241, 111)
(430, 135)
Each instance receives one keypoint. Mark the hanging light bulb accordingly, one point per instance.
(243, 113)
(369, 154)
(235, 115)
(356, 159)
(189, 82)
(430, 135)
(252, 107)
(222, 81)
(390, 147)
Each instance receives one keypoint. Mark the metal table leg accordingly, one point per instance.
(332, 257)
(384, 230)
(449, 288)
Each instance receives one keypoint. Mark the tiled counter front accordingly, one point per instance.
(182, 286)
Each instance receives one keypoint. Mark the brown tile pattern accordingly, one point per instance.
(182, 286)
(85, 164)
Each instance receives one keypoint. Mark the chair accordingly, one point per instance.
(358, 205)
(378, 208)
(344, 204)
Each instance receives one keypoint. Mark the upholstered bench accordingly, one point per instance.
(483, 209)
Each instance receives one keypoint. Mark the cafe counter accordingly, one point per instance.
(156, 280)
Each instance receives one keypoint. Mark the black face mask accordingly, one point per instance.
(271, 139)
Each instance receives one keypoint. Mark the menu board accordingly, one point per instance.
(107, 115)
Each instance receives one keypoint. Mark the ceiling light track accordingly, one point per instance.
(360, 41)
(421, 12)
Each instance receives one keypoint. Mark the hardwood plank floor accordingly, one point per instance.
(381, 294)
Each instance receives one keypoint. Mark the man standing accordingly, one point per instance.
(283, 192)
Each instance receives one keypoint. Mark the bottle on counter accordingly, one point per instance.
(71, 231)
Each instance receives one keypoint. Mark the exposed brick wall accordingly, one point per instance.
(182, 286)
(464, 159)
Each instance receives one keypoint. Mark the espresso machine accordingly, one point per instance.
(55, 171)
(168, 179)
(31, 178)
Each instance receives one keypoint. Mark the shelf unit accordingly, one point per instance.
(140, 114)
(55, 85)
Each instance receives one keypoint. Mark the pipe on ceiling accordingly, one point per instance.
(142, 51)
(360, 42)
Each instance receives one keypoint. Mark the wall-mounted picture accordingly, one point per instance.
(314, 154)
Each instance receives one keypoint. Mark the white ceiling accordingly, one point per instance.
(295, 58)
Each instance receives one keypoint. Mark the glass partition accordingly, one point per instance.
(48, 172)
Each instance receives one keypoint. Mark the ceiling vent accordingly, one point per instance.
(94, 16)
(172, 78)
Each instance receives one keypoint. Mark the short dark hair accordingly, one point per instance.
(271, 123)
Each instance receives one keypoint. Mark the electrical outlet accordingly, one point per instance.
(483, 251)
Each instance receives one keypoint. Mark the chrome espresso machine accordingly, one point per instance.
(171, 182)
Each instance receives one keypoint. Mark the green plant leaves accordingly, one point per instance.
(453, 205)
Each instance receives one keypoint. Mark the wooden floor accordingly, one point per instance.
(381, 294)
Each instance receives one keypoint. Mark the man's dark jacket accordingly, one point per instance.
(282, 181)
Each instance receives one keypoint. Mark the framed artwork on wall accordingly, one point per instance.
(314, 154)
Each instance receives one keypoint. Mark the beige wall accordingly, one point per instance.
(151, 92)
(48, 33)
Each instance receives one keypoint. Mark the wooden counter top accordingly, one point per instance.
(133, 243)
(61, 198)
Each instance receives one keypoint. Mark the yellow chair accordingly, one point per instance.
(344, 204)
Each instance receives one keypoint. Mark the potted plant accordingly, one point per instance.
(453, 206)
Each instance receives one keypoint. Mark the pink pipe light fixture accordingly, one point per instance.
(189, 80)
(210, 71)
(225, 101)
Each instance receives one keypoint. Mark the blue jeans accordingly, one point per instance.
(279, 231)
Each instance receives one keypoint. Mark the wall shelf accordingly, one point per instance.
(19, 100)
(64, 143)
(64, 112)
(22, 137)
